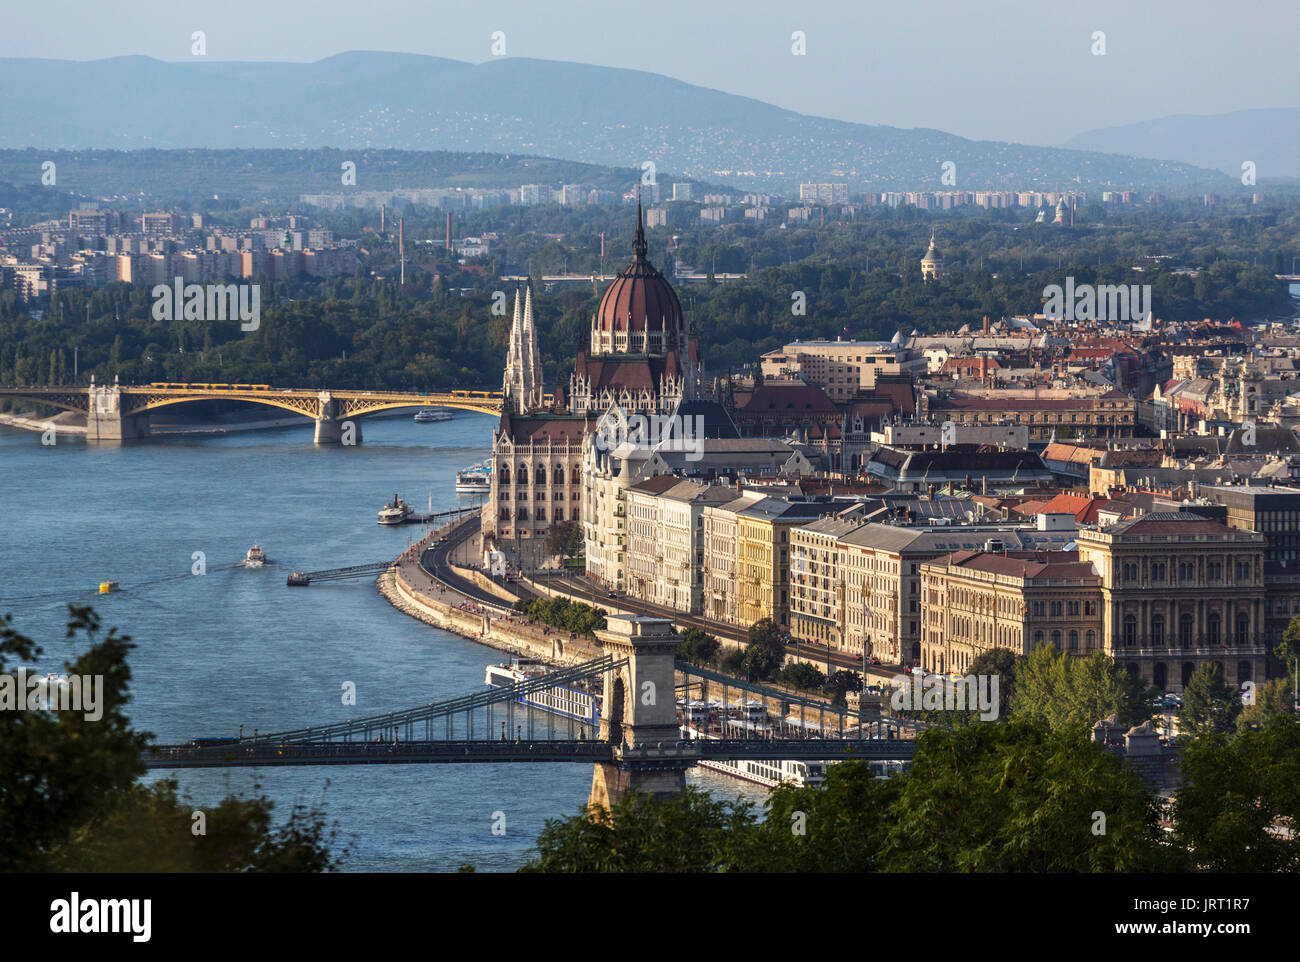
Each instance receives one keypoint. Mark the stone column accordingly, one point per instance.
(105, 422)
(331, 429)
(639, 713)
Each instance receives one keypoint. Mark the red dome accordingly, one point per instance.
(640, 301)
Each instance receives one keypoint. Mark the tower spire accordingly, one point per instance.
(639, 245)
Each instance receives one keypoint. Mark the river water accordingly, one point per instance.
(236, 646)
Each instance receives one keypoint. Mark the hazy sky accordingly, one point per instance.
(1018, 70)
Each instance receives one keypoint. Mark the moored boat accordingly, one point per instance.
(395, 512)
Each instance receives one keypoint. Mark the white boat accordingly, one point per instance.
(255, 558)
(475, 480)
(766, 772)
(431, 415)
(569, 701)
(395, 512)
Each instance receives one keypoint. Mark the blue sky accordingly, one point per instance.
(1018, 70)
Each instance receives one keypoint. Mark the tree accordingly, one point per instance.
(560, 539)
(1068, 693)
(1209, 704)
(71, 800)
(800, 674)
(690, 832)
(1235, 794)
(1273, 699)
(843, 681)
(698, 647)
(1288, 649)
(999, 662)
(1018, 797)
(765, 652)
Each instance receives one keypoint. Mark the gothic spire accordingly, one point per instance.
(639, 245)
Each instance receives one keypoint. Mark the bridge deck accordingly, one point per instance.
(255, 754)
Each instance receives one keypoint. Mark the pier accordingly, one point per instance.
(300, 579)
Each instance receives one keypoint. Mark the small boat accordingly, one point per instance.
(395, 512)
(255, 558)
(106, 587)
(298, 579)
(431, 415)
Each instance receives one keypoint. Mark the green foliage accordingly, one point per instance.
(564, 538)
(690, 832)
(1238, 798)
(765, 652)
(1273, 699)
(995, 798)
(1210, 705)
(698, 647)
(1002, 663)
(1288, 648)
(800, 674)
(563, 613)
(1019, 798)
(1067, 693)
(71, 800)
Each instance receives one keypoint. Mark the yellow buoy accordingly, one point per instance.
(106, 586)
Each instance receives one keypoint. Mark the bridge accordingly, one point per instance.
(638, 744)
(119, 413)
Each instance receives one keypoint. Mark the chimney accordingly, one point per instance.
(986, 324)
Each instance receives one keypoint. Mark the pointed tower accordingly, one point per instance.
(512, 384)
(532, 361)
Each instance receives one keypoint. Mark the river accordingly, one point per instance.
(236, 646)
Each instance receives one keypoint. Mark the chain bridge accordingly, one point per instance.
(638, 743)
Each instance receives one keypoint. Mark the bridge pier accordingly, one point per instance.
(105, 421)
(639, 712)
(332, 429)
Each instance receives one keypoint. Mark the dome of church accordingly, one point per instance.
(639, 312)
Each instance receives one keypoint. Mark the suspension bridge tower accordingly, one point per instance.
(639, 716)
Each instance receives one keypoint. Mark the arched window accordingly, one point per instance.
(523, 474)
(1130, 630)
(1212, 623)
(1038, 639)
(559, 474)
(505, 474)
(1243, 629)
(1185, 630)
(1056, 639)
(1157, 629)
(1074, 641)
(1091, 639)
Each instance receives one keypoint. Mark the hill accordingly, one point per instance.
(596, 115)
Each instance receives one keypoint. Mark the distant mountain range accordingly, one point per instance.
(1270, 138)
(597, 115)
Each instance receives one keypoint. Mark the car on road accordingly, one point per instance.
(612, 594)
(874, 661)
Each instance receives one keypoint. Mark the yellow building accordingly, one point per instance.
(763, 557)
(973, 601)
